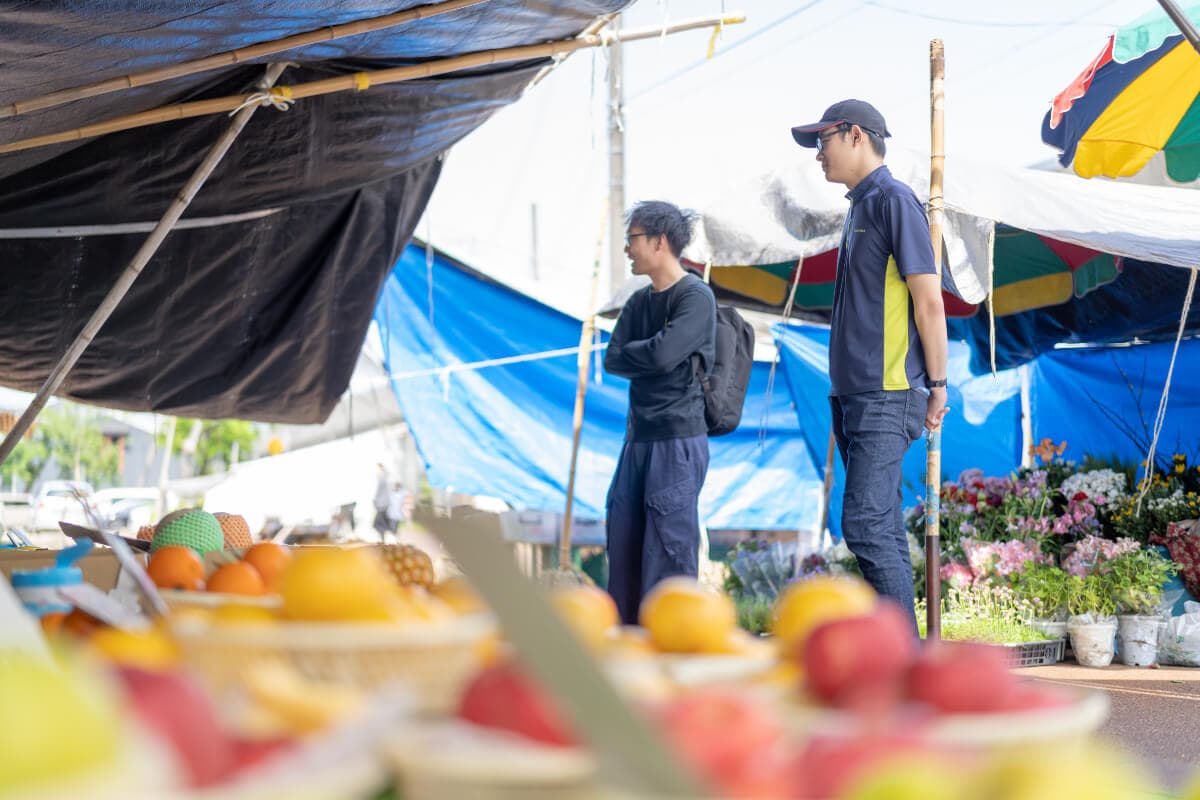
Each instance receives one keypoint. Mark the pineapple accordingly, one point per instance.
(410, 565)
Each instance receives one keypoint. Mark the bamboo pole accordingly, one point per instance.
(584, 358)
(231, 57)
(933, 458)
(359, 81)
(135, 266)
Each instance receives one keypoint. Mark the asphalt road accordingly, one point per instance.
(1155, 712)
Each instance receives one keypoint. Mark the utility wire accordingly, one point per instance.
(689, 67)
(980, 22)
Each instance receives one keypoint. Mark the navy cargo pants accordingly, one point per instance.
(653, 522)
(874, 430)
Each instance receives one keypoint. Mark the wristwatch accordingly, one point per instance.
(934, 384)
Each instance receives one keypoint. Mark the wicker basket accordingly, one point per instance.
(457, 760)
(177, 600)
(434, 660)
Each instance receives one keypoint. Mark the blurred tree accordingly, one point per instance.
(215, 442)
(69, 436)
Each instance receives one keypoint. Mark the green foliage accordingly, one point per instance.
(982, 613)
(754, 614)
(1136, 579)
(1043, 587)
(68, 435)
(1090, 595)
(216, 441)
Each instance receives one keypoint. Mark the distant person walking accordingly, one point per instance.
(653, 522)
(383, 498)
(887, 339)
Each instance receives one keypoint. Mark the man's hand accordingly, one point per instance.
(936, 409)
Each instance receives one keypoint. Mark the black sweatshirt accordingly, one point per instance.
(654, 352)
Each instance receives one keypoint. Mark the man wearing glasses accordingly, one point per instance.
(653, 523)
(887, 339)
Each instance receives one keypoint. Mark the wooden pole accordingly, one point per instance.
(359, 81)
(135, 266)
(933, 459)
(827, 486)
(232, 57)
(583, 360)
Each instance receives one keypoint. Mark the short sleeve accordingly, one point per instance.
(909, 229)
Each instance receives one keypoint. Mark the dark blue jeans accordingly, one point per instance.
(653, 523)
(874, 430)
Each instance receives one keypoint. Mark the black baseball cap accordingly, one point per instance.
(849, 112)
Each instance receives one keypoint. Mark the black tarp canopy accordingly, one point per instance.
(257, 306)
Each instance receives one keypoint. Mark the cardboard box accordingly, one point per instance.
(100, 567)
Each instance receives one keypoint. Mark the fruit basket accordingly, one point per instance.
(453, 759)
(432, 659)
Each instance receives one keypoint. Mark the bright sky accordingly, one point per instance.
(695, 127)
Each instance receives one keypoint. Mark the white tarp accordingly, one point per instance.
(793, 212)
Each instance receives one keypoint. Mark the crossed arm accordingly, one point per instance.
(668, 348)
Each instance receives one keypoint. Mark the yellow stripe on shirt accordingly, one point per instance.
(895, 328)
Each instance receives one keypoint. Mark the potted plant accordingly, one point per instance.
(1042, 588)
(1136, 580)
(1092, 626)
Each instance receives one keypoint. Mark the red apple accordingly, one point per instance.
(859, 662)
(249, 753)
(504, 697)
(734, 742)
(962, 677)
(174, 706)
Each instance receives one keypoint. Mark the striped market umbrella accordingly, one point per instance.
(1139, 97)
(1031, 271)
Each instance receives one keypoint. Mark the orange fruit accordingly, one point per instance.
(80, 624)
(176, 566)
(52, 623)
(589, 611)
(809, 603)
(269, 559)
(683, 616)
(459, 594)
(235, 529)
(237, 578)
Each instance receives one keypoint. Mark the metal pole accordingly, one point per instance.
(933, 461)
(616, 164)
(1182, 22)
(533, 234)
(135, 267)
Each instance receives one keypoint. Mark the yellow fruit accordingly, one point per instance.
(909, 777)
(149, 649)
(410, 565)
(1089, 771)
(589, 611)
(332, 584)
(743, 643)
(815, 601)
(629, 641)
(682, 616)
(424, 606)
(458, 593)
(234, 614)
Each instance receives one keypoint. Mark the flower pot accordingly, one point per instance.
(1093, 643)
(1139, 639)
(1054, 628)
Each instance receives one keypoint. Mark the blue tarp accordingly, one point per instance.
(983, 430)
(1103, 401)
(505, 431)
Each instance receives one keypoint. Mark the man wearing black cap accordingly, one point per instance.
(887, 339)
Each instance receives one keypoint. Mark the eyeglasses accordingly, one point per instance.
(629, 236)
(822, 139)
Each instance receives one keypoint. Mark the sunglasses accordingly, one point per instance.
(823, 138)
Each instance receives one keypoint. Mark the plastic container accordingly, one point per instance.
(38, 589)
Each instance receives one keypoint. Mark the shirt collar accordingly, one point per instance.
(868, 183)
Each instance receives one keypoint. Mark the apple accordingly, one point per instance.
(734, 742)
(174, 706)
(962, 677)
(860, 662)
(503, 696)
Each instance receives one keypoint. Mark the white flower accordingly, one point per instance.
(1096, 484)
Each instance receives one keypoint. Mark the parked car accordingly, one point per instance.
(126, 508)
(16, 510)
(70, 501)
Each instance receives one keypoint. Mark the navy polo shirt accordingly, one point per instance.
(873, 338)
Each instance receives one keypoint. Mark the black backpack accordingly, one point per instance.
(725, 383)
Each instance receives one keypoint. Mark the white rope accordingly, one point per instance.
(1162, 402)
(444, 372)
(279, 101)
